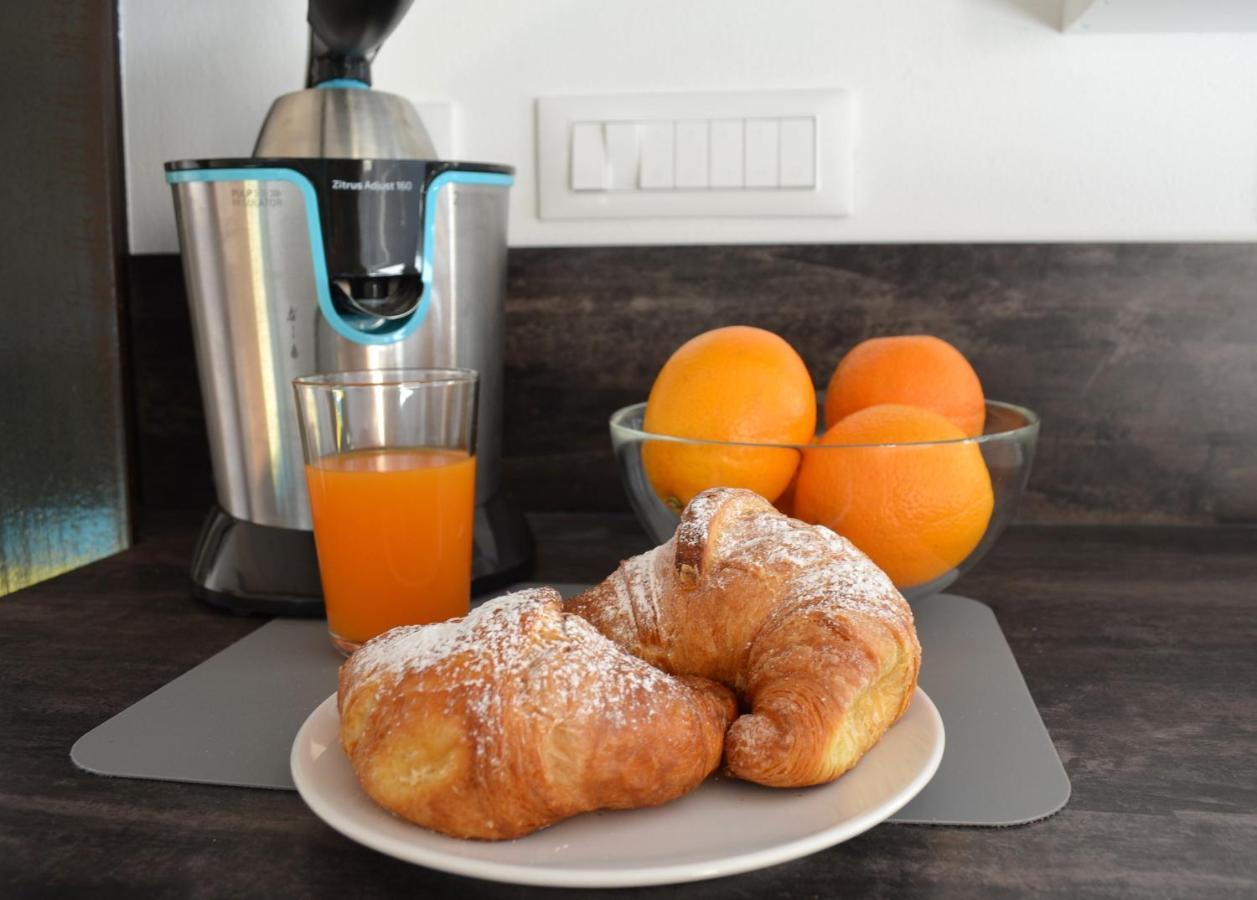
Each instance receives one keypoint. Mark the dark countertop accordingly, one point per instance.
(1138, 644)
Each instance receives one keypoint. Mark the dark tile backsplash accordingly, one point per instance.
(1142, 359)
(170, 449)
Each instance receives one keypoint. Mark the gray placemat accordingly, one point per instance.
(232, 719)
(999, 765)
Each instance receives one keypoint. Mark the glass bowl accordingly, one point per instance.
(1007, 446)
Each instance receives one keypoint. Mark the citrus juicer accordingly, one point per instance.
(342, 243)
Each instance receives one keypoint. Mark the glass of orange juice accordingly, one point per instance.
(391, 468)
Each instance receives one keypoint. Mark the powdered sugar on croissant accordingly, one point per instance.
(806, 629)
(519, 715)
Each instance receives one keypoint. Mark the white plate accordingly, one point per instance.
(723, 827)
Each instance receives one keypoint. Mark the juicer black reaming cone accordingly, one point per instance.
(340, 244)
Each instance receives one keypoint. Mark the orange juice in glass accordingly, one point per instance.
(391, 472)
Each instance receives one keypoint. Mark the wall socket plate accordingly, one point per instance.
(738, 154)
(438, 118)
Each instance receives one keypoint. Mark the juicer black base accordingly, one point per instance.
(263, 570)
(250, 568)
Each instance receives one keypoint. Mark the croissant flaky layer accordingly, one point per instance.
(812, 636)
(520, 715)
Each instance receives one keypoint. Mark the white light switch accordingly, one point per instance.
(798, 153)
(726, 153)
(762, 137)
(658, 150)
(691, 155)
(622, 154)
(754, 153)
(589, 158)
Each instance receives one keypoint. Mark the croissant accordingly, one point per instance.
(520, 715)
(811, 635)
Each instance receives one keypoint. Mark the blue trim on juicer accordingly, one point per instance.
(315, 233)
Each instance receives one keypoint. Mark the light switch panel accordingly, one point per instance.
(589, 158)
(778, 153)
(622, 154)
(692, 153)
(658, 151)
(797, 157)
(726, 153)
(761, 142)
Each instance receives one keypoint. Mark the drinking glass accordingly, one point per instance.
(391, 470)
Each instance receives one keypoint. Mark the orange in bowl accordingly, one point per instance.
(915, 370)
(903, 485)
(734, 384)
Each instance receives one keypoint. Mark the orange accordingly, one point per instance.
(913, 369)
(916, 511)
(737, 384)
(785, 500)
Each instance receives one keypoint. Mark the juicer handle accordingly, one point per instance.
(345, 35)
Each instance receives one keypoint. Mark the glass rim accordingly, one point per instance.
(1030, 427)
(393, 377)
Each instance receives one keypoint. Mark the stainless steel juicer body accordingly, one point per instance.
(341, 244)
(303, 265)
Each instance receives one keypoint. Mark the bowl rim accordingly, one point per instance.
(1027, 430)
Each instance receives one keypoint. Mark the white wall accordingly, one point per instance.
(1178, 16)
(978, 120)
